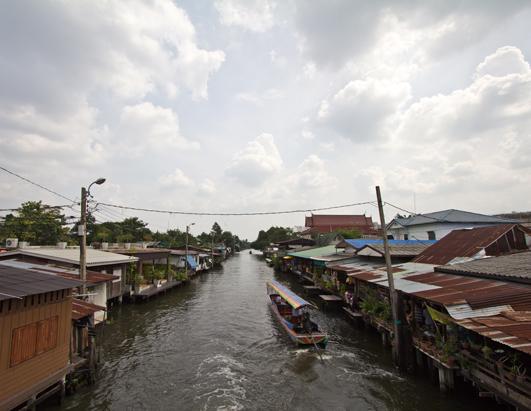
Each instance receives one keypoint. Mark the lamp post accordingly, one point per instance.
(186, 257)
(213, 233)
(82, 232)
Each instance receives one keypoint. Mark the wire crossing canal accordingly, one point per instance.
(214, 345)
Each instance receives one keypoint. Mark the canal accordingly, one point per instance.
(214, 345)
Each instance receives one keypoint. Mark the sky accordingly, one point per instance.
(259, 105)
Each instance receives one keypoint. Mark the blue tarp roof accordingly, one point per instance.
(362, 242)
(191, 261)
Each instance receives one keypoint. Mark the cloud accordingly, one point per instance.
(259, 99)
(312, 174)
(146, 127)
(252, 15)
(472, 145)
(363, 110)
(505, 61)
(332, 33)
(257, 161)
(177, 179)
(207, 187)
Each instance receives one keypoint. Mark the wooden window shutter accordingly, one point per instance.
(47, 334)
(23, 343)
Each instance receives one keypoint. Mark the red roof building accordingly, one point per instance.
(328, 223)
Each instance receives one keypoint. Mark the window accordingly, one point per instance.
(431, 235)
(33, 339)
(23, 343)
(406, 237)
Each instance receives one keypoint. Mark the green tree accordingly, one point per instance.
(38, 223)
(272, 235)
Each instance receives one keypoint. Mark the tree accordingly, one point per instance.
(350, 234)
(38, 223)
(272, 235)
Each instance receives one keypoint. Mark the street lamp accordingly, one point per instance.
(186, 257)
(213, 233)
(82, 232)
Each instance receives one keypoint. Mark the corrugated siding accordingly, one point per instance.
(16, 378)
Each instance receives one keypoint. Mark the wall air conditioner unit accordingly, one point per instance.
(11, 242)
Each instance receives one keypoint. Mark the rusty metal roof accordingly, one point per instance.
(513, 267)
(398, 250)
(511, 329)
(81, 309)
(18, 283)
(463, 243)
(93, 277)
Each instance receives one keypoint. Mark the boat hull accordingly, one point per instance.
(301, 339)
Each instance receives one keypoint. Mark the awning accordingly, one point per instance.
(291, 298)
(191, 262)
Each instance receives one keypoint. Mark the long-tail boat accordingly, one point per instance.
(293, 314)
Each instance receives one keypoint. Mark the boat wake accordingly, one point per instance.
(220, 384)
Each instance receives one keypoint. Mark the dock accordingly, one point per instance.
(330, 300)
(311, 289)
(354, 315)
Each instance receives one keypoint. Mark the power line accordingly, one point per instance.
(307, 210)
(36, 184)
(415, 214)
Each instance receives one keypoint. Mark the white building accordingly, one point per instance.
(434, 226)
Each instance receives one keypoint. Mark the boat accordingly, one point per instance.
(269, 261)
(293, 314)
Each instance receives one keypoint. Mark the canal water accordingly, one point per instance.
(214, 345)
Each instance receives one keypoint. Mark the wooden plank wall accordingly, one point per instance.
(19, 313)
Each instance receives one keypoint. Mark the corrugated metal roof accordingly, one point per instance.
(507, 267)
(449, 216)
(81, 309)
(315, 252)
(359, 243)
(71, 255)
(93, 277)
(18, 283)
(504, 328)
(395, 250)
(463, 243)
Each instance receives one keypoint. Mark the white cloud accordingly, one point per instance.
(364, 109)
(472, 145)
(332, 33)
(146, 127)
(253, 15)
(177, 179)
(312, 174)
(207, 187)
(505, 61)
(257, 161)
(260, 99)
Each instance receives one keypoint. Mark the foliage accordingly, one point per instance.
(373, 305)
(38, 223)
(272, 235)
(350, 234)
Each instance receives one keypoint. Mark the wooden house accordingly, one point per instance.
(35, 329)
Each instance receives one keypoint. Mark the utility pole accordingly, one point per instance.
(398, 343)
(212, 247)
(82, 232)
(186, 257)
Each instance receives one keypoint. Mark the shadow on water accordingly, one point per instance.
(213, 344)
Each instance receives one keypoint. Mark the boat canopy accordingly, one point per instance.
(291, 298)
